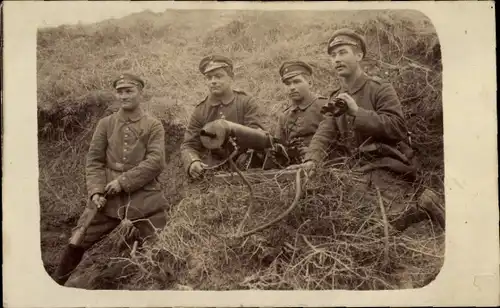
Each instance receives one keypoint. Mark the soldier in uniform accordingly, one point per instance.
(125, 158)
(299, 121)
(222, 102)
(373, 130)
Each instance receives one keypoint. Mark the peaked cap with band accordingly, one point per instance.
(346, 36)
(214, 62)
(127, 80)
(293, 68)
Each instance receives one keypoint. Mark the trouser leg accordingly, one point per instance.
(151, 216)
(402, 215)
(405, 212)
(401, 211)
(70, 259)
(72, 255)
(148, 226)
(427, 206)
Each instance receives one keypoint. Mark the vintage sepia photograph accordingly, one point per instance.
(242, 150)
(249, 154)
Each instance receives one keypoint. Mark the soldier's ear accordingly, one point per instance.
(359, 54)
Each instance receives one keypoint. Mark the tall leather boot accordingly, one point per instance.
(429, 202)
(428, 206)
(69, 261)
(411, 216)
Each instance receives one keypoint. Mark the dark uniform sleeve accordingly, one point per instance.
(320, 142)
(96, 160)
(387, 121)
(151, 166)
(252, 114)
(191, 146)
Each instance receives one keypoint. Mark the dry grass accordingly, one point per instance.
(335, 238)
(321, 244)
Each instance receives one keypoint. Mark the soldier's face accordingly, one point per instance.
(298, 87)
(129, 97)
(345, 59)
(218, 81)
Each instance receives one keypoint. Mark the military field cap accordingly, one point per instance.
(128, 80)
(346, 36)
(213, 62)
(293, 68)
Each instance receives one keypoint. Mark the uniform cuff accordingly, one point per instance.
(310, 157)
(189, 166)
(124, 183)
(313, 159)
(361, 116)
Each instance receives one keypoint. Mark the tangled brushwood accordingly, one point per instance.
(335, 237)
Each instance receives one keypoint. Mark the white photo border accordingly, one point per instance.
(470, 275)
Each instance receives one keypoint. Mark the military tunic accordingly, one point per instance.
(378, 123)
(377, 127)
(300, 121)
(239, 108)
(131, 150)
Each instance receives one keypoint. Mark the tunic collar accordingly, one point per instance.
(224, 100)
(305, 104)
(356, 86)
(134, 116)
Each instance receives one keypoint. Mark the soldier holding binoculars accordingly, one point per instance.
(372, 129)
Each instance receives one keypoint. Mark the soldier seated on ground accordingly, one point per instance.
(125, 158)
(372, 132)
(300, 119)
(223, 102)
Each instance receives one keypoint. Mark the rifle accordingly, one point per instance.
(88, 215)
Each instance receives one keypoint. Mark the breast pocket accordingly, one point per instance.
(137, 147)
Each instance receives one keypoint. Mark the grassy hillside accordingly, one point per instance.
(76, 65)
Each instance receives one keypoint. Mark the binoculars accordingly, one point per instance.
(336, 106)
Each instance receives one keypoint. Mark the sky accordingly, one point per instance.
(81, 12)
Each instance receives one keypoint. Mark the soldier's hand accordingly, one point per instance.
(113, 187)
(98, 200)
(303, 151)
(352, 106)
(307, 166)
(242, 160)
(297, 142)
(196, 169)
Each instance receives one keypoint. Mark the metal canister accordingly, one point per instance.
(216, 134)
